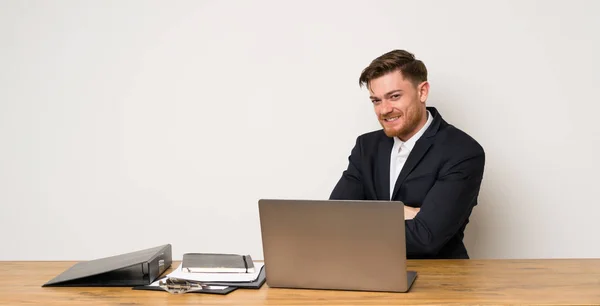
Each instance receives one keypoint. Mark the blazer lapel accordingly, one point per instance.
(382, 175)
(415, 156)
(421, 147)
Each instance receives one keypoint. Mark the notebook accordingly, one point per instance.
(217, 263)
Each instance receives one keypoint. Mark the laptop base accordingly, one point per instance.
(411, 277)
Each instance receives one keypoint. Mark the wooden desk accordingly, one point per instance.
(463, 282)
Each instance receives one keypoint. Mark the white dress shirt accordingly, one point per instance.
(400, 153)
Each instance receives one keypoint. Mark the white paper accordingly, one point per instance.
(218, 277)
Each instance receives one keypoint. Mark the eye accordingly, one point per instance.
(375, 101)
(395, 96)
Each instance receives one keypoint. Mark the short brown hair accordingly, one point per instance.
(402, 60)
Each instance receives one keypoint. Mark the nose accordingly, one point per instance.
(385, 107)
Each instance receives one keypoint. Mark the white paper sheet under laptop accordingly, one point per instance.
(344, 245)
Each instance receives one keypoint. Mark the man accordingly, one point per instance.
(434, 168)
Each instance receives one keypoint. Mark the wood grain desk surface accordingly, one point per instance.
(461, 282)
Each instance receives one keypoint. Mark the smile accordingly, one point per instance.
(391, 119)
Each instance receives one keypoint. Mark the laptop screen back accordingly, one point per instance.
(346, 245)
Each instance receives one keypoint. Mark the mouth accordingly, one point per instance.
(392, 119)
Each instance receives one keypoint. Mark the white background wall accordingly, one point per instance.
(129, 124)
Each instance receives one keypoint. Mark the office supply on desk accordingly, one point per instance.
(217, 263)
(218, 277)
(335, 244)
(179, 281)
(178, 286)
(130, 269)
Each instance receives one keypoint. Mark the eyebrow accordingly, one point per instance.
(387, 94)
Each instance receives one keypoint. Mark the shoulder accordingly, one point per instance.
(372, 136)
(370, 139)
(457, 144)
(369, 143)
(453, 136)
(450, 138)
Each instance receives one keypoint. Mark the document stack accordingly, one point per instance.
(211, 273)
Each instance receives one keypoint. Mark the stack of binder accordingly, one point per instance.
(142, 270)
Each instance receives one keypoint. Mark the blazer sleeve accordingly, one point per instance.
(350, 185)
(446, 206)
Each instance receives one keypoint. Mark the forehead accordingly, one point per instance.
(389, 82)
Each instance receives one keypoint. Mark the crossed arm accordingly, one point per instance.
(445, 208)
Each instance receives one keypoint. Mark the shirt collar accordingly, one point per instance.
(409, 144)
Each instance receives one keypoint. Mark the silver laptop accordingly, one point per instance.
(339, 245)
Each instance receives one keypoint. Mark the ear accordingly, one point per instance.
(423, 90)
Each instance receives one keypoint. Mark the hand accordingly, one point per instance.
(410, 212)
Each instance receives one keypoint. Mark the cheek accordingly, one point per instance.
(402, 108)
(412, 108)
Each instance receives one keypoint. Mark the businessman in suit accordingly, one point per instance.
(417, 158)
